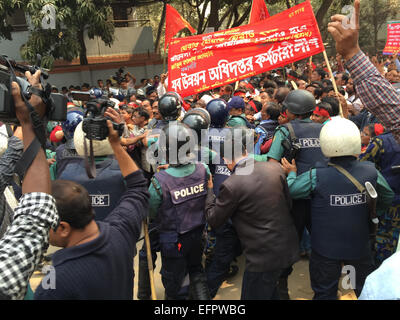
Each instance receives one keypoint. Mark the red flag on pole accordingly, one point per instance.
(173, 24)
(259, 11)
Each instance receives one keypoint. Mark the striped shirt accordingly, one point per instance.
(376, 93)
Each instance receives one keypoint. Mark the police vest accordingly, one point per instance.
(182, 209)
(339, 212)
(219, 170)
(390, 158)
(64, 156)
(269, 128)
(105, 190)
(307, 134)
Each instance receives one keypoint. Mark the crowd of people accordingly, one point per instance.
(316, 174)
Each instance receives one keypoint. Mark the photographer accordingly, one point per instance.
(26, 240)
(95, 250)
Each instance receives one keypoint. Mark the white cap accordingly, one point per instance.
(340, 137)
(100, 148)
(206, 98)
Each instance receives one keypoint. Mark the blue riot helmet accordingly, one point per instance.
(96, 93)
(218, 110)
(74, 117)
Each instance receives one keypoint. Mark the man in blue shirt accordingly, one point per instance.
(96, 261)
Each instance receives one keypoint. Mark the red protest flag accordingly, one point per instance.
(258, 12)
(173, 24)
(203, 62)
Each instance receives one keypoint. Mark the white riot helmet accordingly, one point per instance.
(100, 148)
(340, 137)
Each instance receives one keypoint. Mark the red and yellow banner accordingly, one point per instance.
(393, 38)
(203, 62)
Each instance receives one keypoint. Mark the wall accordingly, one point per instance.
(133, 48)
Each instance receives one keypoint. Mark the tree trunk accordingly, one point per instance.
(160, 27)
(288, 5)
(322, 11)
(214, 17)
(82, 48)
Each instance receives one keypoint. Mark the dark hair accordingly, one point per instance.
(86, 85)
(328, 89)
(281, 94)
(334, 102)
(73, 203)
(320, 72)
(270, 92)
(273, 110)
(142, 112)
(326, 106)
(270, 84)
(327, 82)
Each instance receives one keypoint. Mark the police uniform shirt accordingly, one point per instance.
(281, 133)
(237, 121)
(156, 195)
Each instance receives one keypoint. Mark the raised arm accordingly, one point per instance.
(375, 92)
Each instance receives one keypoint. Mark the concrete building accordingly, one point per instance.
(133, 48)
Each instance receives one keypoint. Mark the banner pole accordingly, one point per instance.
(149, 260)
(333, 80)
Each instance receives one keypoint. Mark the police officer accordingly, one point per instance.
(170, 108)
(67, 150)
(300, 139)
(177, 202)
(105, 190)
(236, 107)
(198, 119)
(384, 151)
(223, 242)
(339, 211)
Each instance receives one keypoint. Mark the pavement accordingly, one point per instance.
(299, 281)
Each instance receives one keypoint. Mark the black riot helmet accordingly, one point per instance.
(197, 119)
(299, 102)
(218, 110)
(177, 143)
(169, 106)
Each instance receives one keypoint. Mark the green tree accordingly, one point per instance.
(73, 19)
(7, 8)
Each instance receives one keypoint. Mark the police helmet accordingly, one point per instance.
(176, 143)
(96, 93)
(340, 137)
(299, 102)
(218, 110)
(74, 117)
(197, 119)
(169, 106)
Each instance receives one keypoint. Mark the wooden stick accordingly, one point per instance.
(149, 259)
(333, 80)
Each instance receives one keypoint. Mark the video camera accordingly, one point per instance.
(95, 123)
(118, 75)
(56, 103)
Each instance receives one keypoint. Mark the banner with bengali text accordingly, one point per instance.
(203, 62)
(393, 38)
